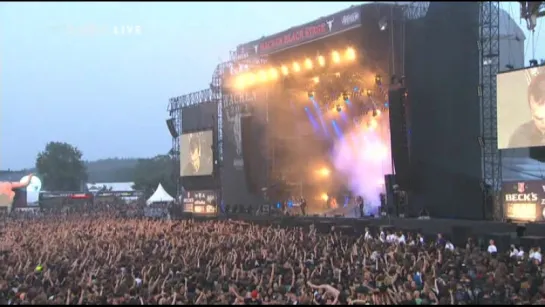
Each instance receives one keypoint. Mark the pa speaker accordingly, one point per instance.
(171, 124)
(398, 136)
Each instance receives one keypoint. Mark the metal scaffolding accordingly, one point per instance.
(489, 47)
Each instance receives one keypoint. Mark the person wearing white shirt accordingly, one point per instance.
(420, 239)
(401, 239)
(367, 235)
(449, 246)
(382, 237)
(514, 252)
(492, 248)
(520, 253)
(536, 255)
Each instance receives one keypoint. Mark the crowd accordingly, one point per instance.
(107, 259)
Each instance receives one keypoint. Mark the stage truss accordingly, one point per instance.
(489, 45)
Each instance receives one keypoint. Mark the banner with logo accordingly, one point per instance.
(200, 202)
(321, 28)
(67, 195)
(524, 200)
(120, 194)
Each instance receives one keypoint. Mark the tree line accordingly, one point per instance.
(62, 168)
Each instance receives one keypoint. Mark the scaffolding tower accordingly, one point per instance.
(489, 61)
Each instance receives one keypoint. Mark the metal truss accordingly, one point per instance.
(489, 47)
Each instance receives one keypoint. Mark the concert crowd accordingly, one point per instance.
(103, 257)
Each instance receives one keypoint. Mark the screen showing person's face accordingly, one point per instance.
(538, 113)
(196, 155)
(521, 108)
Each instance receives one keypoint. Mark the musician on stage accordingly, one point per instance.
(303, 205)
(361, 205)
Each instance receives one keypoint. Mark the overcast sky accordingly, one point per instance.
(66, 76)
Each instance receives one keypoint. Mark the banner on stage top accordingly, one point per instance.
(321, 28)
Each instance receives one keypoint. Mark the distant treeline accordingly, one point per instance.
(104, 170)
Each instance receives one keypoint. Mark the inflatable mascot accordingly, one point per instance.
(6, 191)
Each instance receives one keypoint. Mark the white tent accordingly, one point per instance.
(160, 196)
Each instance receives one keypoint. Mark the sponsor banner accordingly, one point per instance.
(524, 200)
(323, 27)
(135, 194)
(71, 195)
(200, 202)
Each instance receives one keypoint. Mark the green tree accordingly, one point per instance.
(61, 167)
(148, 173)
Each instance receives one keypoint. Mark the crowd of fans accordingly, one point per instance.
(108, 258)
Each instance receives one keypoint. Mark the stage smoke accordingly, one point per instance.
(363, 157)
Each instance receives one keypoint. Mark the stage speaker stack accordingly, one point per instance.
(249, 154)
(171, 124)
(399, 136)
(390, 202)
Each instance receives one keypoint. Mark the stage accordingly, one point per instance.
(456, 230)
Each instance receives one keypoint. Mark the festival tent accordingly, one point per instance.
(160, 196)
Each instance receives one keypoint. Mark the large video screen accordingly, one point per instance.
(521, 108)
(196, 154)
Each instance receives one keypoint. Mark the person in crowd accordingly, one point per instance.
(96, 257)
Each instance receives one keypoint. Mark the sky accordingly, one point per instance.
(99, 75)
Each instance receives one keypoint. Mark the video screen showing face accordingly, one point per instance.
(521, 108)
(196, 155)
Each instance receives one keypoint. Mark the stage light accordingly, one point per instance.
(373, 124)
(273, 73)
(350, 54)
(240, 82)
(296, 67)
(378, 80)
(378, 112)
(338, 108)
(310, 95)
(369, 93)
(383, 23)
(284, 70)
(262, 75)
(338, 74)
(308, 64)
(321, 61)
(386, 104)
(324, 172)
(316, 79)
(324, 197)
(250, 79)
(335, 57)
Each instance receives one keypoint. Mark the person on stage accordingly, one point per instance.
(361, 205)
(303, 206)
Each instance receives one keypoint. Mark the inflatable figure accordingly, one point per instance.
(6, 190)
